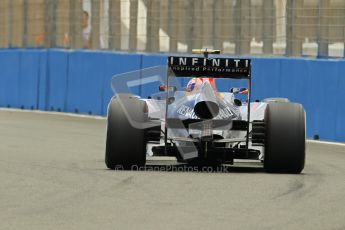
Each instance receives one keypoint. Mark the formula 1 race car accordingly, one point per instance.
(199, 125)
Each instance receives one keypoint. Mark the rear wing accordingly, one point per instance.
(209, 67)
(234, 68)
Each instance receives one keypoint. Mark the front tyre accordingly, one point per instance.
(285, 138)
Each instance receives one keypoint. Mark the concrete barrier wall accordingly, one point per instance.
(79, 81)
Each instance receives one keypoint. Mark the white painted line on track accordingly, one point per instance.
(327, 143)
(54, 113)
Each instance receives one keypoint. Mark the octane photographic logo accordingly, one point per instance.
(128, 82)
(131, 83)
(177, 168)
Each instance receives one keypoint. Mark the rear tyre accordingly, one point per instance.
(285, 138)
(126, 142)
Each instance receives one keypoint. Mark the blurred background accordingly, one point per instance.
(314, 28)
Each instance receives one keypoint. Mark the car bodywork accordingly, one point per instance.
(204, 123)
(198, 124)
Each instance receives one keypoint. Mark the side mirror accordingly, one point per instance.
(239, 90)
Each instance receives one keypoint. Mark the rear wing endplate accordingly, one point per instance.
(209, 67)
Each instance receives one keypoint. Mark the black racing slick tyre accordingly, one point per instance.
(126, 143)
(285, 138)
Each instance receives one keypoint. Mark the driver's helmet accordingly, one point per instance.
(195, 83)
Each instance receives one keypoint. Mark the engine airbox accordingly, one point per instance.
(206, 105)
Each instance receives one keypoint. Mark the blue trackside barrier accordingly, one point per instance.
(84, 83)
(9, 78)
(340, 112)
(117, 63)
(324, 97)
(266, 72)
(42, 81)
(56, 80)
(29, 76)
(79, 81)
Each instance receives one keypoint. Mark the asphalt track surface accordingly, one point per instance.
(52, 176)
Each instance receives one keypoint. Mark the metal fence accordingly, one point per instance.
(240, 27)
